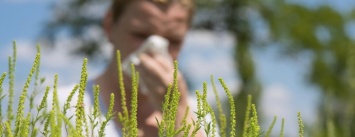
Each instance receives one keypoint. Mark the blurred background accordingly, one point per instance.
(291, 55)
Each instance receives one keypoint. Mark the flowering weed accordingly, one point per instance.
(57, 123)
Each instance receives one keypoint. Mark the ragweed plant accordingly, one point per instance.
(268, 133)
(254, 129)
(222, 117)
(232, 108)
(96, 113)
(109, 116)
(21, 104)
(11, 65)
(282, 127)
(59, 122)
(247, 115)
(79, 113)
(203, 111)
(1, 96)
(128, 119)
(300, 125)
(37, 82)
(170, 106)
(123, 116)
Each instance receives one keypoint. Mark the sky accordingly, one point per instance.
(285, 91)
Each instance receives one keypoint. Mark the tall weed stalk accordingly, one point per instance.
(57, 122)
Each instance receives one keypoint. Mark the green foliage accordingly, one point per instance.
(12, 64)
(296, 29)
(254, 129)
(222, 116)
(56, 123)
(318, 32)
(70, 97)
(268, 133)
(170, 105)
(300, 124)
(8, 130)
(1, 96)
(109, 116)
(247, 115)
(96, 113)
(134, 104)
(282, 128)
(79, 113)
(21, 104)
(232, 109)
(128, 119)
(37, 81)
(122, 116)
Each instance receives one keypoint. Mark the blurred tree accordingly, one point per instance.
(232, 16)
(320, 32)
(80, 22)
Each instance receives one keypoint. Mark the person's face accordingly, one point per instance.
(143, 18)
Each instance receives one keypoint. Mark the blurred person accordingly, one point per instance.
(127, 24)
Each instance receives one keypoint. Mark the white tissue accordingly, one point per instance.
(154, 45)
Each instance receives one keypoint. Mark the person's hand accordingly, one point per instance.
(156, 73)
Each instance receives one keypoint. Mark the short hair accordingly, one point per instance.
(118, 7)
